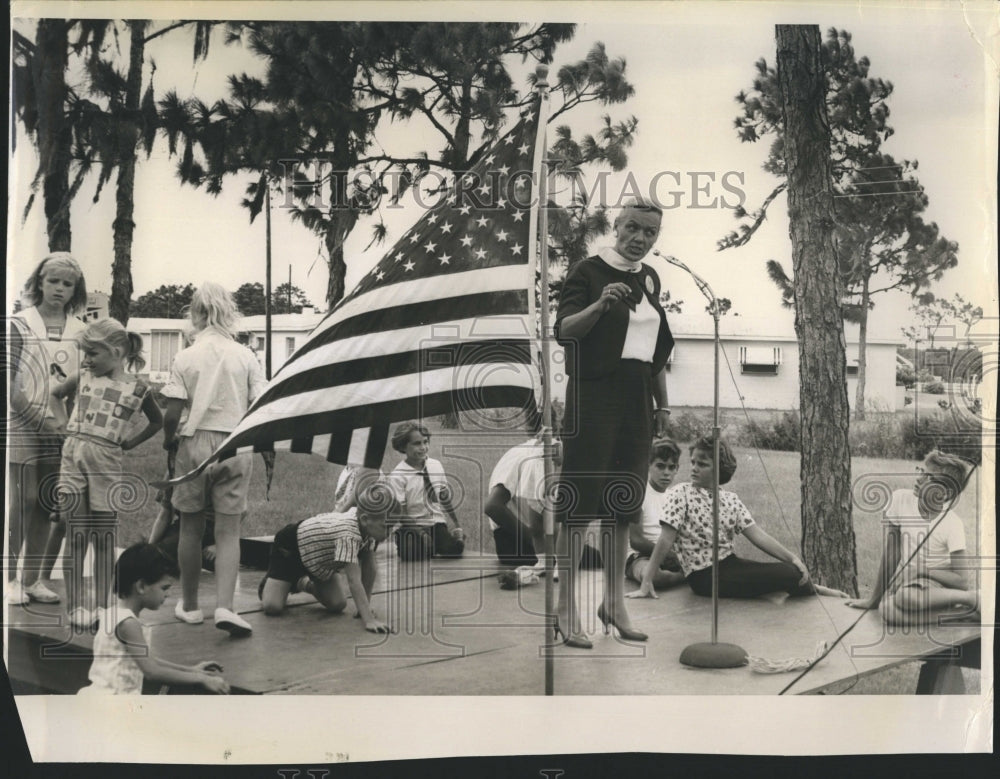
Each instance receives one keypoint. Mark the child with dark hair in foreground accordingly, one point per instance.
(664, 455)
(122, 654)
(687, 521)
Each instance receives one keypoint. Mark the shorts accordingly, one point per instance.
(670, 563)
(92, 469)
(285, 564)
(222, 485)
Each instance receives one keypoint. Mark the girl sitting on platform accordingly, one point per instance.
(920, 575)
(420, 488)
(122, 654)
(687, 519)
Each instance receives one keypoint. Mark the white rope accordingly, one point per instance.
(762, 665)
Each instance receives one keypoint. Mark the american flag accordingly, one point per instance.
(444, 321)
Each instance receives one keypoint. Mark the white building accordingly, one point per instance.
(759, 359)
(759, 364)
(163, 338)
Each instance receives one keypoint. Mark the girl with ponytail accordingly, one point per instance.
(98, 434)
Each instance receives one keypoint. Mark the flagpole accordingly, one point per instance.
(267, 282)
(542, 85)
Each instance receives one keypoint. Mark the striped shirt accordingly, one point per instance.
(328, 542)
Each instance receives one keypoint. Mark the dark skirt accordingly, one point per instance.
(608, 432)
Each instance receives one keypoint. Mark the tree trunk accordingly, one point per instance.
(828, 543)
(463, 135)
(54, 133)
(343, 217)
(124, 225)
(859, 396)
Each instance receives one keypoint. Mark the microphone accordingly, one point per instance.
(698, 280)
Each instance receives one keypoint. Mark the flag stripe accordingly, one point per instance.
(507, 327)
(340, 445)
(434, 357)
(423, 313)
(355, 397)
(374, 414)
(375, 448)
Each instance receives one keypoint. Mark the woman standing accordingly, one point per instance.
(617, 343)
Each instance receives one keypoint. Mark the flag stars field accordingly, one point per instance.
(365, 365)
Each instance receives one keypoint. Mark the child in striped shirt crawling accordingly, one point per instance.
(312, 555)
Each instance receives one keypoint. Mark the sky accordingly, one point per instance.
(687, 61)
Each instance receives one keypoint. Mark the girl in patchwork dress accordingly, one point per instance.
(107, 399)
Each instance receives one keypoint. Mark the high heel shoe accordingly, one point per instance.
(626, 633)
(577, 641)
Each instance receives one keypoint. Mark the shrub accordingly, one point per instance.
(905, 375)
(948, 432)
(778, 432)
(687, 426)
(878, 435)
(945, 404)
(934, 388)
(907, 400)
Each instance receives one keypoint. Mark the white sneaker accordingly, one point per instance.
(16, 596)
(83, 619)
(232, 623)
(539, 569)
(193, 617)
(39, 592)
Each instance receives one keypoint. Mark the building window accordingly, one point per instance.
(163, 345)
(670, 359)
(289, 346)
(260, 343)
(760, 360)
(852, 370)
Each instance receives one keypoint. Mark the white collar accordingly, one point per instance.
(617, 261)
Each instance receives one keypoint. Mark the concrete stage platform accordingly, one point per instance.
(458, 633)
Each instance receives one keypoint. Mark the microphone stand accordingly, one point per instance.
(711, 654)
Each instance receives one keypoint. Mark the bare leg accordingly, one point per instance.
(275, 596)
(929, 615)
(189, 557)
(227, 558)
(662, 579)
(104, 559)
(17, 515)
(912, 599)
(79, 532)
(330, 593)
(29, 525)
(53, 546)
(614, 577)
(569, 548)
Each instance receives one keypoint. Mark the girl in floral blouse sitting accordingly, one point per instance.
(687, 523)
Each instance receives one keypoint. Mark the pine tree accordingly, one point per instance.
(882, 242)
(828, 542)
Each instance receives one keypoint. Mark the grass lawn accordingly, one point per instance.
(767, 483)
